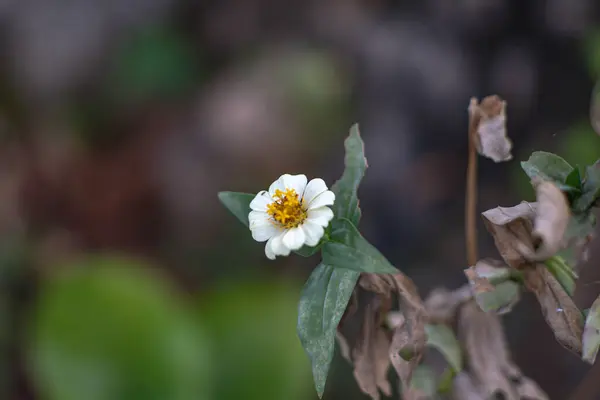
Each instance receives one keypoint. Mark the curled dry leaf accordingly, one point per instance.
(551, 220)
(558, 309)
(488, 120)
(511, 229)
(491, 370)
(409, 337)
(370, 356)
(442, 304)
(530, 231)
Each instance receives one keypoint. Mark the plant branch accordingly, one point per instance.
(471, 190)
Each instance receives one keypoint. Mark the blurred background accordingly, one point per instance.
(122, 277)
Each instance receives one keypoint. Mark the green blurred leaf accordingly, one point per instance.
(307, 251)
(238, 204)
(591, 189)
(348, 249)
(563, 273)
(574, 179)
(106, 329)
(154, 63)
(442, 338)
(424, 380)
(252, 324)
(591, 333)
(547, 166)
(322, 304)
(346, 188)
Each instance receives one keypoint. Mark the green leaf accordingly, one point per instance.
(591, 189)
(252, 324)
(574, 179)
(501, 300)
(109, 329)
(348, 249)
(563, 273)
(322, 304)
(591, 333)
(441, 337)
(238, 204)
(424, 380)
(346, 188)
(307, 251)
(547, 166)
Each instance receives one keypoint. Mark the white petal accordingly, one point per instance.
(314, 188)
(294, 238)
(278, 184)
(287, 181)
(313, 232)
(320, 216)
(260, 202)
(257, 218)
(264, 231)
(268, 250)
(296, 182)
(277, 246)
(324, 199)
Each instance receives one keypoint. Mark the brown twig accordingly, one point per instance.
(471, 192)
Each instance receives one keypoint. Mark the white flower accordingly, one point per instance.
(291, 214)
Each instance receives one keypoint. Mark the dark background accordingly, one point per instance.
(120, 121)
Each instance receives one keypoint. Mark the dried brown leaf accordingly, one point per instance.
(370, 357)
(559, 310)
(528, 389)
(442, 304)
(530, 232)
(491, 368)
(511, 229)
(551, 220)
(464, 387)
(409, 339)
(489, 120)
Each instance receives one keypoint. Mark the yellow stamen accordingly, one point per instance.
(287, 209)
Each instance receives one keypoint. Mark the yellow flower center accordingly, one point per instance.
(287, 208)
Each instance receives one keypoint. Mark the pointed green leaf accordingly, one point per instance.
(591, 189)
(238, 204)
(591, 333)
(308, 251)
(348, 249)
(441, 337)
(322, 304)
(346, 188)
(547, 166)
(574, 179)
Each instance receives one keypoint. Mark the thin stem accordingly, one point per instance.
(471, 192)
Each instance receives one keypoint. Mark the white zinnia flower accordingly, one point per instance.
(291, 214)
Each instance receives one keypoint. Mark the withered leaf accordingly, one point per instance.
(489, 120)
(465, 388)
(551, 220)
(558, 309)
(441, 304)
(491, 369)
(370, 357)
(409, 338)
(511, 229)
(591, 333)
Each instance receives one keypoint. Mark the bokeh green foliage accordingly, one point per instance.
(110, 328)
